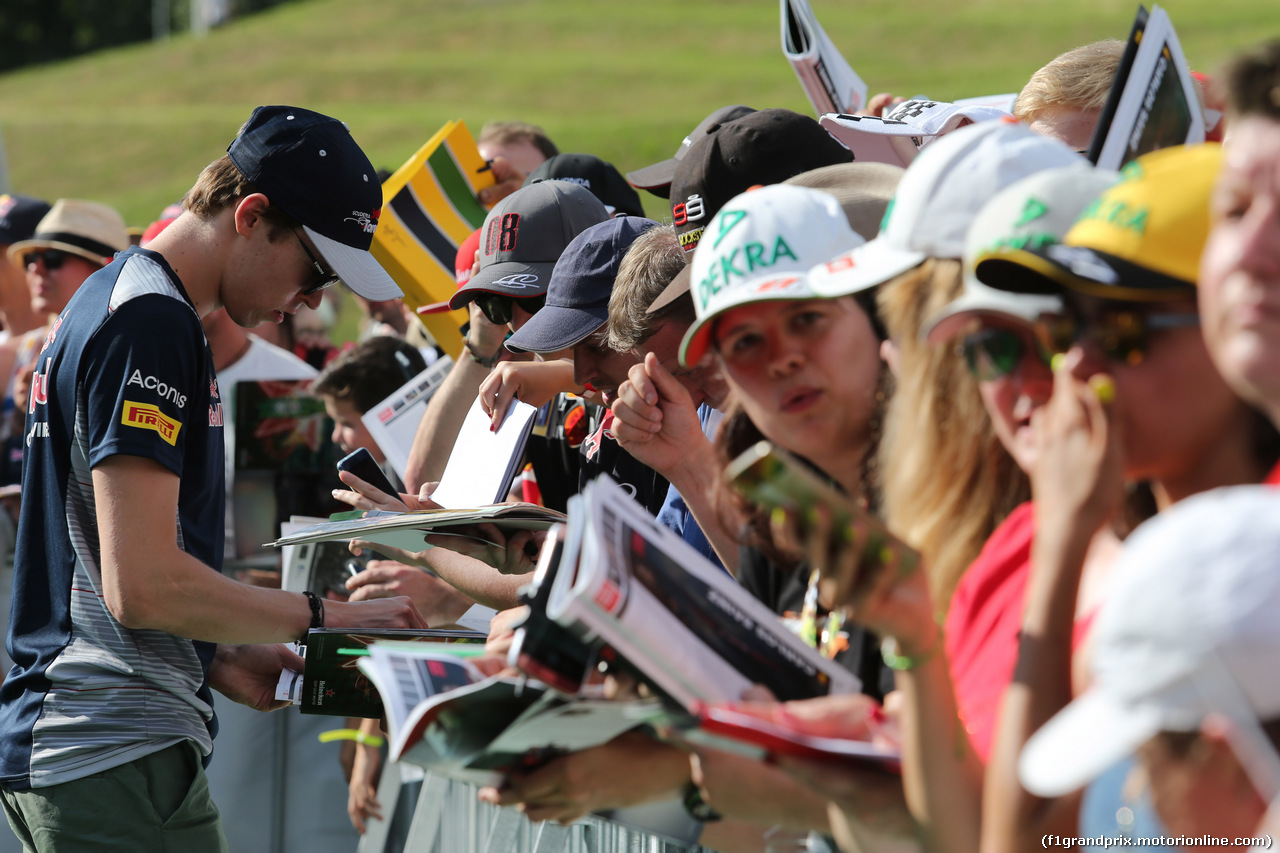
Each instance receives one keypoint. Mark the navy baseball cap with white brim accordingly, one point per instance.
(581, 284)
(310, 166)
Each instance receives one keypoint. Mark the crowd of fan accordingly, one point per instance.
(1061, 385)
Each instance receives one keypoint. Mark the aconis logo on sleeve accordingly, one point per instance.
(147, 416)
(159, 386)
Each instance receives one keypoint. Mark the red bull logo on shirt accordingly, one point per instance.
(145, 416)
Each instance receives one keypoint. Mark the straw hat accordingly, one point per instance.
(85, 228)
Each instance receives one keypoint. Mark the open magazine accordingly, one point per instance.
(734, 729)
(443, 714)
(829, 81)
(631, 587)
(1153, 102)
(409, 530)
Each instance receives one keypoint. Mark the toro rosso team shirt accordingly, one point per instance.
(125, 370)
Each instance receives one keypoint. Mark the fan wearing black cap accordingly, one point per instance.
(657, 178)
(520, 241)
(760, 147)
(19, 215)
(121, 623)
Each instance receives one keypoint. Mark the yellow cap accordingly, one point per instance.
(1157, 215)
(1140, 240)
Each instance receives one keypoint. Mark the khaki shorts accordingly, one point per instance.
(157, 803)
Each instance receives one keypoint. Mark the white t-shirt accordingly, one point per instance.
(262, 361)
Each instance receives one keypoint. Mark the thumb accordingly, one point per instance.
(668, 387)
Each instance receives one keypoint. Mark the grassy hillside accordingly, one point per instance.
(132, 127)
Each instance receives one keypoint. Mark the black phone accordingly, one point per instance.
(771, 478)
(361, 463)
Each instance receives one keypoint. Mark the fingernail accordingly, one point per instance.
(336, 492)
(1056, 361)
(1103, 386)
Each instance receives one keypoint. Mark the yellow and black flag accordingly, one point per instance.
(429, 207)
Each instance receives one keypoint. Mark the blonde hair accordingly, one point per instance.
(945, 479)
(1079, 79)
(509, 132)
(653, 260)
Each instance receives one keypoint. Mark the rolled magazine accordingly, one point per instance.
(829, 81)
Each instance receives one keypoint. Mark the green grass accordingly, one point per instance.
(133, 126)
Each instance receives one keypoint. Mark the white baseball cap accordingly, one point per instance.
(1029, 213)
(1189, 628)
(760, 247)
(938, 198)
(897, 137)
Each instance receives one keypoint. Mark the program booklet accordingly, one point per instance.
(1153, 102)
(480, 729)
(648, 601)
(332, 682)
(409, 530)
(826, 77)
(732, 728)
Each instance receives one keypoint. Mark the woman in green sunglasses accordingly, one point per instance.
(1135, 399)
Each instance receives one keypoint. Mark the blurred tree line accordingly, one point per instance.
(36, 31)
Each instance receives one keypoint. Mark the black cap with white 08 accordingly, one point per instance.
(309, 165)
(525, 234)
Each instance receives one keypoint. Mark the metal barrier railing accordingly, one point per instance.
(449, 818)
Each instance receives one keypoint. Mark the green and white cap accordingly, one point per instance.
(760, 247)
(1032, 213)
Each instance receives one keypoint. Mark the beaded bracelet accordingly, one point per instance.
(481, 360)
(317, 613)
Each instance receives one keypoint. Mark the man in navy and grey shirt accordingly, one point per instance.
(121, 623)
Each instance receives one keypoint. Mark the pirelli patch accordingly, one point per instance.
(147, 416)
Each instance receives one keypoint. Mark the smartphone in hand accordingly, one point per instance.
(771, 478)
(361, 463)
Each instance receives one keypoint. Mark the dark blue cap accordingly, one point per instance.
(581, 283)
(308, 165)
(19, 216)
